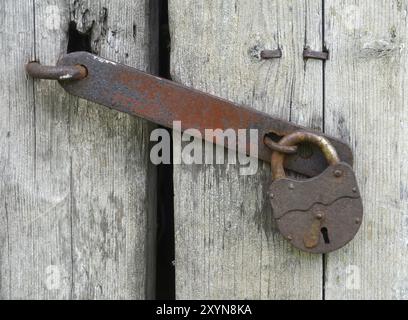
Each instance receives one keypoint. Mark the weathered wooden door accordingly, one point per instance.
(226, 246)
(78, 191)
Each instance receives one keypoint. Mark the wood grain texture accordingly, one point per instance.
(76, 187)
(18, 247)
(366, 104)
(226, 246)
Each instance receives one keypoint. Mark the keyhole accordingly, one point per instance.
(325, 234)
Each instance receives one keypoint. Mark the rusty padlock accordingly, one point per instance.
(321, 214)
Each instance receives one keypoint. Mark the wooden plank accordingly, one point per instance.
(112, 183)
(78, 194)
(226, 246)
(17, 156)
(366, 98)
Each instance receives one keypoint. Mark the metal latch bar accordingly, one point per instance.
(129, 90)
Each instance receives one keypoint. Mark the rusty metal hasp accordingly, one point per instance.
(317, 215)
(162, 101)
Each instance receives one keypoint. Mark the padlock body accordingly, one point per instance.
(318, 215)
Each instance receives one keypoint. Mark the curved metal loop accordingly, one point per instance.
(294, 139)
(61, 73)
(274, 146)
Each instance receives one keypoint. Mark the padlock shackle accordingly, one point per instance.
(296, 138)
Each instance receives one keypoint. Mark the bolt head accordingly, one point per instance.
(290, 238)
(291, 186)
(355, 189)
(338, 173)
(319, 216)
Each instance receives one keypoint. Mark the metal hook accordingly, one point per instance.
(319, 55)
(39, 71)
(275, 146)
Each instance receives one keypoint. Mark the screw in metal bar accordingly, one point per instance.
(271, 54)
(62, 73)
(319, 55)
